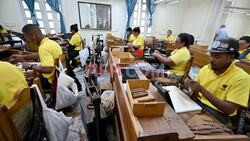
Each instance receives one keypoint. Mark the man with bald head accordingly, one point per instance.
(48, 52)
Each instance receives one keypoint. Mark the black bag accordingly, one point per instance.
(37, 130)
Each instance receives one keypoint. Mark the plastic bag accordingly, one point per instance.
(67, 92)
(84, 54)
(56, 123)
(108, 101)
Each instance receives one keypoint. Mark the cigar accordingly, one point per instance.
(149, 99)
(137, 90)
(139, 94)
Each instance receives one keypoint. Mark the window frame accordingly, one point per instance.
(139, 18)
(44, 13)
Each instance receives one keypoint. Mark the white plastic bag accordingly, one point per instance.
(84, 54)
(56, 123)
(108, 101)
(67, 92)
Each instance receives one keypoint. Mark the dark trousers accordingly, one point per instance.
(223, 118)
(72, 54)
(45, 83)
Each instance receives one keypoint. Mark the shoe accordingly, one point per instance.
(77, 69)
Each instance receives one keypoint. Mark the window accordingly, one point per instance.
(140, 17)
(48, 20)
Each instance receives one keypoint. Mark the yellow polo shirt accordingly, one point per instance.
(169, 38)
(49, 51)
(131, 37)
(76, 40)
(248, 55)
(139, 40)
(233, 85)
(180, 57)
(11, 81)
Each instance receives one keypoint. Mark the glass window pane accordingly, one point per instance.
(144, 7)
(135, 14)
(58, 16)
(143, 15)
(27, 14)
(29, 21)
(41, 24)
(136, 6)
(142, 23)
(48, 8)
(50, 16)
(37, 7)
(39, 15)
(52, 31)
(135, 23)
(149, 30)
(144, 1)
(24, 5)
(142, 29)
(43, 31)
(51, 25)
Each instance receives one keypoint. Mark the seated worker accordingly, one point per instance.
(179, 58)
(169, 37)
(48, 52)
(75, 45)
(130, 36)
(12, 80)
(222, 86)
(244, 49)
(138, 41)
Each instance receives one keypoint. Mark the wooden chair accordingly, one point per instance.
(14, 118)
(8, 131)
(187, 70)
(38, 82)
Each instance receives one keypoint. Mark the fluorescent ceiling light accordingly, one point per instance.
(159, 1)
(172, 2)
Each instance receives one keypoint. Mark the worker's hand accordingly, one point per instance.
(25, 65)
(16, 58)
(156, 53)
(194, 85)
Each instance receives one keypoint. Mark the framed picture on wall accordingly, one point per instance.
(94, 16)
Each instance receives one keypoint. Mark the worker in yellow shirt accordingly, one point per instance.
(12, 80)
(244, 49)
(130, 36)
(169, 39)
(48, 52)
(75, 45)
(221, 85)
(138, 42)
(179, 58)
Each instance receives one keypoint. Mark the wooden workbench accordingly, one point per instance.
(170, 126)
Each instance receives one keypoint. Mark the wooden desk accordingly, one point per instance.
(155, 128)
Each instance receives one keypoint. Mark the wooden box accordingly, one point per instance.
(143, 109)
(124, 57)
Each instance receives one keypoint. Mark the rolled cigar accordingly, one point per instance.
(148, 99)
(137, 90)
(139, 94)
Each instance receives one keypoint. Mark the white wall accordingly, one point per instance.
(238, 24)
(119, 14)
(197, 17)
(11, 16)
